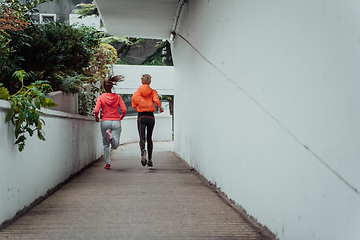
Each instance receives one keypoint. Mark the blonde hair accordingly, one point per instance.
(110, 82)
(146, 78)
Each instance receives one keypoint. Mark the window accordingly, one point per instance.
(47, 17)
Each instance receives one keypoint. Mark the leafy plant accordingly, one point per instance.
(161, 57)
(100, 68)
(58, 47)
(12, 25)
(42, 50)
(15, 17)
(86, 9)
(72, 84)
(4, 93)
(87, 100)
(102, 62)
(166, 97)
(25, 108)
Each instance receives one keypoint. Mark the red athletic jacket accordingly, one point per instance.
(110, 103)
(144, 98)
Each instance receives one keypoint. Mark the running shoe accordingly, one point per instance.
(109, 134)
(150, 163)
(107, 166)
(143, 157)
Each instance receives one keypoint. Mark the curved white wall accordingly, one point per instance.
(267, 107)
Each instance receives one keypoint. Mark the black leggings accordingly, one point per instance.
(146, 123)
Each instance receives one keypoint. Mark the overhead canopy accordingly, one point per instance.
(139, 18)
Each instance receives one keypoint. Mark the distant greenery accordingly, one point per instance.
(44, 51)
(100, 68)
(86, 9)
(38, 58)
(57, 49)
(166, 97)
(14, 19)
(160, 57)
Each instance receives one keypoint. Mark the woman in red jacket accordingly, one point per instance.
(143, 101)
(111, 119)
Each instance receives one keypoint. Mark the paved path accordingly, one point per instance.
(130, 201)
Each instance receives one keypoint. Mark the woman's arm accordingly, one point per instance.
(123, 108)
(157, 101)
(155, 98)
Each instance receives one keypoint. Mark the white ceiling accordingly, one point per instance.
(139, 18)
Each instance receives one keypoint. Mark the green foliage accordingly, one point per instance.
(4, 93)
(42, 50)
(86, 10)
(4, 42)
(67, 56)
(72, 84)
(100, 68)
(12, 23)
(115, 39)
(25, 108)
(102, 62)
(24, 10)
(58, 47)
(122, 61)
(161, 57)
(87, 100)
(11, 60)
(155, 59)
(166, 97)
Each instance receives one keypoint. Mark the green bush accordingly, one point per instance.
(42, 50)
(72, 84)
(57, 48)
(25, 108)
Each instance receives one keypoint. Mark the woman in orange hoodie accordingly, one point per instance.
(143, 101)
(111, 119)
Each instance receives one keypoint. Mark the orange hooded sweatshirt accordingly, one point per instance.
(110, 103)
(144, 98)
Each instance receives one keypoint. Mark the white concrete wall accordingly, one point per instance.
(72, 142)
(65, 102)
(162, 78)
(267, 107)
(162, 130)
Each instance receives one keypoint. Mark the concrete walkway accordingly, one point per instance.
(168, 201)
